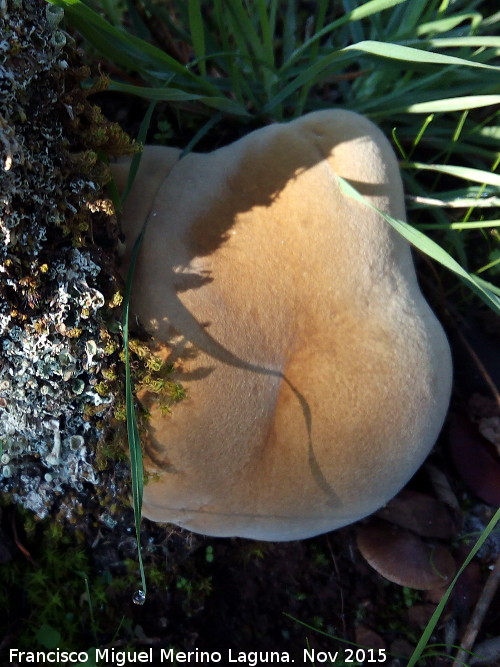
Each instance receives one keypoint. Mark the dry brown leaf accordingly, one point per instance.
(403, 557)
(475, 459)
(420, 513)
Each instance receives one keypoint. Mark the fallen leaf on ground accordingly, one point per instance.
(403, 557)
(475, 460)
(420, 513)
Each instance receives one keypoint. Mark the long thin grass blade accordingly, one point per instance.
(427, 246)
(267, 34)
(473, 41)
(211, 122)
(453, 104)
(448, 23)
(467, 173)
(197, 33)
(412, 14)
(289, 30)
(136, 464)
(177, 95)
(136, 160)
(481, 224)
(245, 29)
(410, 54)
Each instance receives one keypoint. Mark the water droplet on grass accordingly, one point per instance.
(139, 597)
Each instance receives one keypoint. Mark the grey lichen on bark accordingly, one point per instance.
(59, 295)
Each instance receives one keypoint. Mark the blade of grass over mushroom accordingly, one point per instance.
(136, 464)
(429, 247)
(426, 635)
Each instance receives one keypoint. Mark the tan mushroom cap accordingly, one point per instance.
(317, 377)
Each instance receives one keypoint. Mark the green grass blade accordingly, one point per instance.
(412, 14)
(136, 464)
(429, 247)
(211, 122)
(491, 132)
(289, 30)
(424, 639)
(410, 54)
(136, 160)
(487, 41)
(222, 33)
(453, 104)
(448, 23)
(197, 33)
(415, 87)
(261, 50)
(356, 28)
(138, 26)
(267, 33)
(177, 95)
(93, 624)
(244, 29)
(489, 286)
(482, 224)
(467, 173)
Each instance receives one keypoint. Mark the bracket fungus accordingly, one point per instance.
(317, 378)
